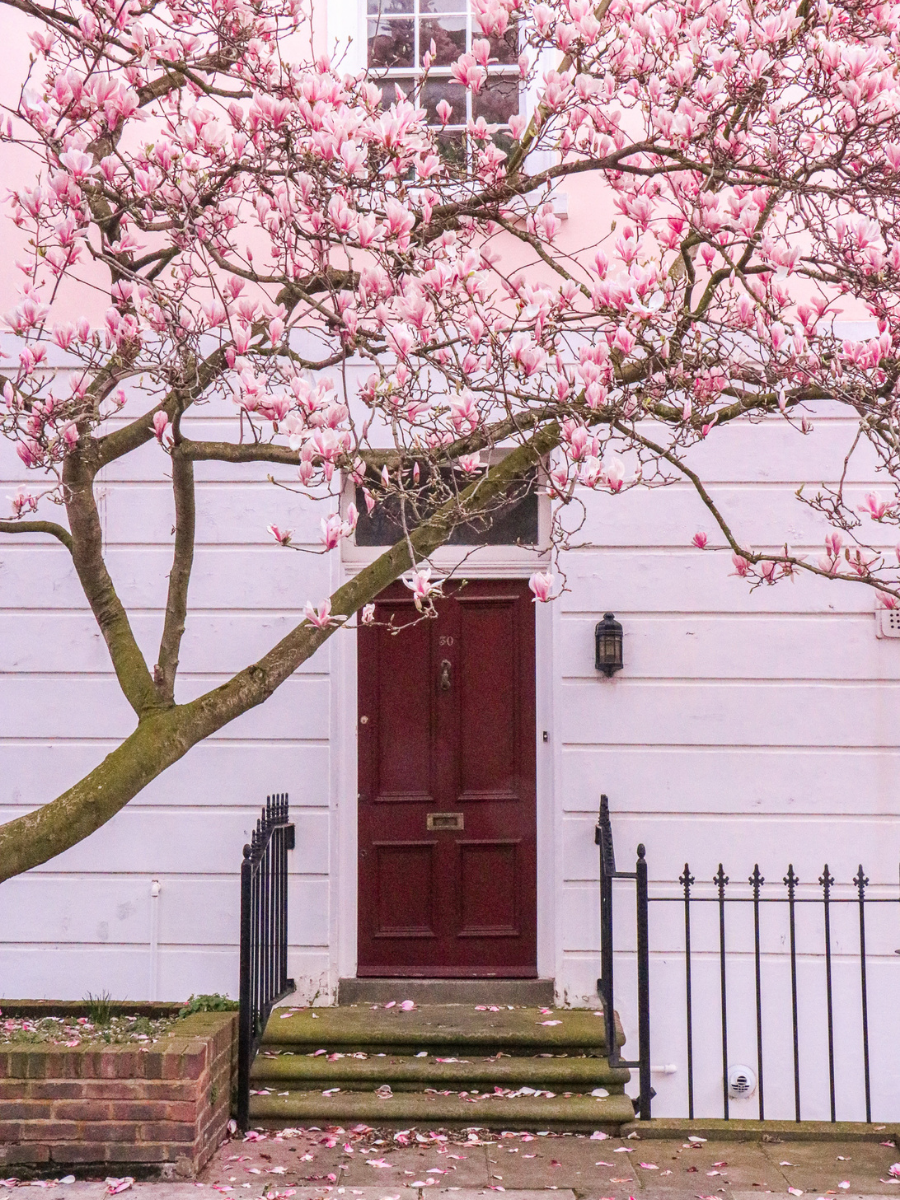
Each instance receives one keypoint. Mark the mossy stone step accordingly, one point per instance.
(555, 1074)
(425, 1108)
(451, 1028)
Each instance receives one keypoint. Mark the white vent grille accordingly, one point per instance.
(741, 1082)
(887, 623)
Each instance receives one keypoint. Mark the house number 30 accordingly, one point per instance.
(445, 639)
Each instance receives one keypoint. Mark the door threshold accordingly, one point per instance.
(528, 992)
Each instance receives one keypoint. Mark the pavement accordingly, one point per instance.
(365, 1164)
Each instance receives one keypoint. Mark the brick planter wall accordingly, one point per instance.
(125, 1105)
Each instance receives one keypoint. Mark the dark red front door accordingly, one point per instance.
(447, 863)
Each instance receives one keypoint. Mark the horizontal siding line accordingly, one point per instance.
(632, 681)
(755, 817)
(685, 549)
(681, 814)
(718, 747)
(52, 739)
(149, 876)
(297, 677)
(249, 808)
(749, 748)
(702, 681)
(658, 615)
(125, 877)
(138, 611)
(199, 544)
(220, 947)
(267, 546)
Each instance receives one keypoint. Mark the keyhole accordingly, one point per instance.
(445, 675)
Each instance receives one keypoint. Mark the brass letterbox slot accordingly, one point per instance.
(446, 821)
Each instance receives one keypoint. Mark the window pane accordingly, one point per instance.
(442, 6)
(506, 49)
(514, 519)
(406, 84)
(497, 100)
(435, 90)
(390, 43)
(385, 7)
(449, 34)
(452, 149)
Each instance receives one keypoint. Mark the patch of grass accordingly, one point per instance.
(99, 1008)
(214, 1002)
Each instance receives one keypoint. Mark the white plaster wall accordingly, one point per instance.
(83, 922)
(746, 727)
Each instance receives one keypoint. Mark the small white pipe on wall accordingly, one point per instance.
(154, 939)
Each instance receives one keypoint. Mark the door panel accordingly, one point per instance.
(489, 725)
(405, 884)
(488, 891)
(447, 823)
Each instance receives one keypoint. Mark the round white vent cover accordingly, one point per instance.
(741, 1082)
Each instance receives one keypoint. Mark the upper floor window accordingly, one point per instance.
(402, 32)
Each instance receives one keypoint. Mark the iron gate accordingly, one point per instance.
(781, 965)
(264, 912)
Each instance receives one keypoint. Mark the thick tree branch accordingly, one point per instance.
(179, 577)
(57, 531)
(87, 555)
(164, 736)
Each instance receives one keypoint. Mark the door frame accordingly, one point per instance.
(489, 562)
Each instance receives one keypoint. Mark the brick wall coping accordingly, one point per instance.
(81, 1008)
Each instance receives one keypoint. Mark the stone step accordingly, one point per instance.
(574, 1074)
(534, 993)
(452, 1029)
(577, 1112)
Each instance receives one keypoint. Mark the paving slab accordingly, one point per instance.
(509, 1194)
(708, 1168)
(821, 1168)
(432, 1167)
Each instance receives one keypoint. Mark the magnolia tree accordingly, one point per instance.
(256, 220)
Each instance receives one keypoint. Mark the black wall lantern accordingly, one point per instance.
(608, 636)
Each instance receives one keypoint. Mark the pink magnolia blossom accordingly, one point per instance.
(874, 506)
(320, 617)
(421, 584)
(541, 583)
(282, 536)
(614, 470)
(699, 540)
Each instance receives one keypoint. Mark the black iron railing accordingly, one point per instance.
(847, 1023)
(605, 985)
(264, 932)
(782, 968)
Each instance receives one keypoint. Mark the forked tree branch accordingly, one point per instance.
(87, 555)
(179, 577)
(165, 735)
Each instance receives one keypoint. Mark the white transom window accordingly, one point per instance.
(399, 35)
